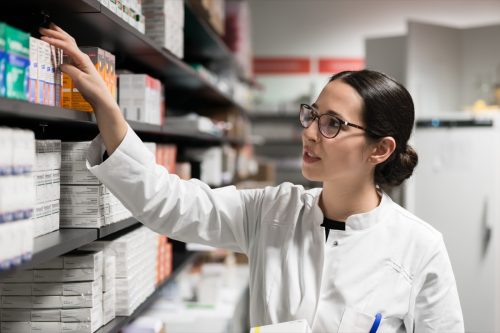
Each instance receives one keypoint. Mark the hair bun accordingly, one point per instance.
(394, 171)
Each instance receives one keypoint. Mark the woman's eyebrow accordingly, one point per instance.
(331, 112)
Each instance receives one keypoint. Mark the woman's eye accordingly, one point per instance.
(333, 122)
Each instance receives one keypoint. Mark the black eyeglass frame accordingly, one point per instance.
(340, 120)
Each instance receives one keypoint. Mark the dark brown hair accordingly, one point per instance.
(387, 111)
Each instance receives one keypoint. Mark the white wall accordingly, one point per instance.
(481, 63)
(434, 68)
(338, 28)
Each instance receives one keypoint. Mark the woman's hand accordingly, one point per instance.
(83, 72)
(89, 83)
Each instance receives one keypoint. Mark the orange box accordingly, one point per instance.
(99, 59)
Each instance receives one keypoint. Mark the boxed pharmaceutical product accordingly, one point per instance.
(47, 185)
(47, 289)
(73, 164)
(97, 56)
(33, 70)
(81, 259)
(109, 306)
(30, 327)
(104, 62)
(296, 326)
(16, 241)
(140, 98)
(93, 217)
(67, 275)
(45, 218)
(54, 289)
(83, 288)
(166, 155)
(82, 301)
(48, 155)
(93, 314)
(17, 45)
(56, 76)
(15, 289)
(24, 276)
(3, 58)
(67, 87)
(109, 273)
(25, 315)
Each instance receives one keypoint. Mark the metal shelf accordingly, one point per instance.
(180, 262)
(63, 241)
(55, 244)
(56, 122)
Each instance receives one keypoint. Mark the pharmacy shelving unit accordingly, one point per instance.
(93, 24)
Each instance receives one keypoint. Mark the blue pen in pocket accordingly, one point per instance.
(376, 323)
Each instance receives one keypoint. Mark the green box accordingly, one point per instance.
(17, 47)
(3, 58)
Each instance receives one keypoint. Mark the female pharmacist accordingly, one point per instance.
(380, 267)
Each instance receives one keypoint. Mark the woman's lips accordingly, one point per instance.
(308, 158)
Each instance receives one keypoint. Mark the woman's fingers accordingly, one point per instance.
(72, 50)
(53, 33)
(72, 71)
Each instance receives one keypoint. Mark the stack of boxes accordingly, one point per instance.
(17, 196)
(14, 62)
(62, 295)
(128, 10)
(165, 24)
(136, 266)
(164, 259)
(105, 64)
(85, 202)
(166, 155)
(47, 179)
(141, 98)
(45, 76)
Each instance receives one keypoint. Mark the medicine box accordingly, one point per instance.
(82, 315)
(25, 315)
(17, 45)
(67, 275)
(33, 71)
(109, 306)
(83, 260)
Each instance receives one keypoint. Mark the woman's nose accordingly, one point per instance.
(311, 133)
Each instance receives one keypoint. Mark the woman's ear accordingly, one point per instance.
(382, 150)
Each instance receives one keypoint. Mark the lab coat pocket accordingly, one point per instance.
(390, 292)
(354, 321)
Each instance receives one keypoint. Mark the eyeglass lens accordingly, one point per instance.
(328, 126)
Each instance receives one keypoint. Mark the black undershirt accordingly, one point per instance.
(332, 224)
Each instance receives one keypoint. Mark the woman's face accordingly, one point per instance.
(342, 157)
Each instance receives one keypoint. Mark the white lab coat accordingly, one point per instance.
(387, 261)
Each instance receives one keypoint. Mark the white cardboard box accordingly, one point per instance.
(92, 315)
(15, 289)
(31, 315)
(68, 275)
(47, 289)
(84, 260)
(83, 288)
(30, 327)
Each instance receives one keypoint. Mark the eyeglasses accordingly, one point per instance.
(329, 125)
